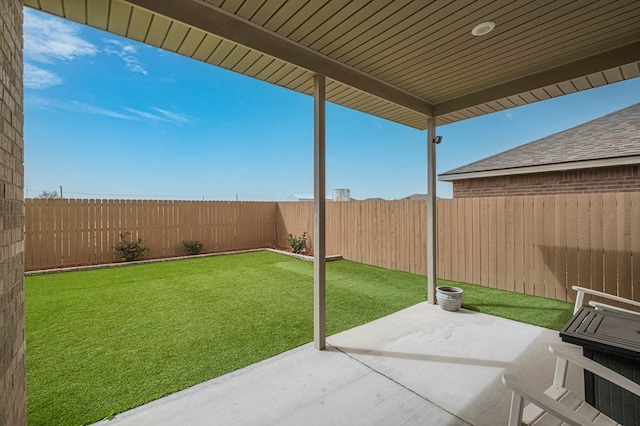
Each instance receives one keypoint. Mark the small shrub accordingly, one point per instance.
(130, 250)
(192, 246)
(297, 244)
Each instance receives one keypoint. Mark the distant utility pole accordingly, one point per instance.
(236, 197)
(60, 191)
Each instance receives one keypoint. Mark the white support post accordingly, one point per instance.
(319, 191)
(432, 237)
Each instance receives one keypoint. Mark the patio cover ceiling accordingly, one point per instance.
(403, 60)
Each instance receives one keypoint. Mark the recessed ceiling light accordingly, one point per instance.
(483, 28)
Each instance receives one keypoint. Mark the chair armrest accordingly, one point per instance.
(606, 307)
(597, 369)
(581, 291)
(548, 404)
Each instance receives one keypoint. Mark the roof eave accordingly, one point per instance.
(589, 164)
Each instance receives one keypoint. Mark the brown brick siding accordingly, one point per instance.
(581, 181)
(12, 338)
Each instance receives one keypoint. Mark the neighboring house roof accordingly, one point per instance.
(301, 197)
(416, 197)
(611, 140)
(309, 197)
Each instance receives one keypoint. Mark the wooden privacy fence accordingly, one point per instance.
(539, 245)
(542, 245)
(389, 234)
(63, 232)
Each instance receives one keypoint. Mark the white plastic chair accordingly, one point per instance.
(581, 291)
(558, 405)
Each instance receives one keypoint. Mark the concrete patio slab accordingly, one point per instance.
(421, 365)
(456, 360)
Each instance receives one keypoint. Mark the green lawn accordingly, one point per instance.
(547, 313)
(103, 341)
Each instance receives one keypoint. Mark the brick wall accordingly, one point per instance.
(12, 337)
(582, 181)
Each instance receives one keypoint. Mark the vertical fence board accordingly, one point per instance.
(354, 212)
(550, 278)
(510, 244)
(86, 234)
(528, 249)
(468, 241)
(597, 244)
(213, 217)
(70, 232)
(476, 241)
(623, 250)
(440, 240)
(29, 234)
(145, 226)
(37, 224)
(501, 244)
(610, 243)
(539, 246)
(384, 243)
(453, 243)
(402, 231)
(572, 214)
(423, 239)
(485, 255)
(59, 207)
(461, 234)
(447, 241)
(584, 245)
(393, 219)
(417, 241)
(635, 245)
(49, 241)
(410, 229)
(40, 208)
(370, 209)
(560, 247)
(518, 245)
(492, 232)
(74, 233)
(91, 219)
(61, 217)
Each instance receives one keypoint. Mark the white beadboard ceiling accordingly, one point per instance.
(403, 60)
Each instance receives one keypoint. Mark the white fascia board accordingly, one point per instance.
(589, 164)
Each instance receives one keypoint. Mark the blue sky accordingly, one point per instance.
(106, 117)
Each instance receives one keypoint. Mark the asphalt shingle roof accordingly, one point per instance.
(614, 135)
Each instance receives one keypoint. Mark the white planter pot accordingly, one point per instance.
(449, 298)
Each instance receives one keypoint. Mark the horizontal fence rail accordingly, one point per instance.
(539, 245)
(64, 232)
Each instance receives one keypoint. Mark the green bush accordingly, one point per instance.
(192, 246)
(130, 250)
(297, 244)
